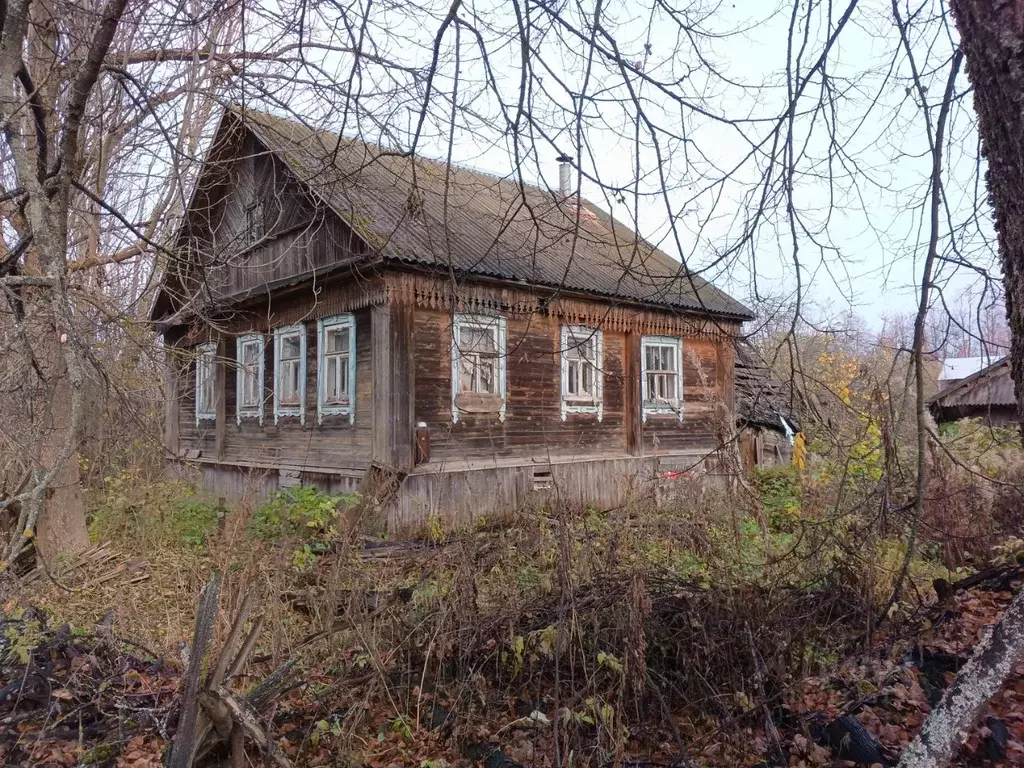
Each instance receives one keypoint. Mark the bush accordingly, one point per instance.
(304, 512)
(166, 513)
(779, 490)
(193, 521)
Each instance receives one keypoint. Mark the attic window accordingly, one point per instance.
(581, 371)
(254, 222)
(662, 379)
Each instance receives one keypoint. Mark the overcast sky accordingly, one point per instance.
(711, 95)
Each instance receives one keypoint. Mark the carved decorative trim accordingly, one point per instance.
(432, 293)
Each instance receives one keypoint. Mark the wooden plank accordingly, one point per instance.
(632, 394)
(392, 379)
(380, 382)
(220, 398)
(403, 388)
(171, 404)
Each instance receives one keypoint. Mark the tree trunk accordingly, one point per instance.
(61, 529)
(992, 36)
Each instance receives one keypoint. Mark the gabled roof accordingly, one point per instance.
(466, 222)
(992, 385)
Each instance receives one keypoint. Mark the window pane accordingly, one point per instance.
(478, 340)
(290, 347)
(250, 352)
(331, 388)
(588, 379)
(572, 378)
(669, 358)
(486, 375)
(653, 359)
(337, 340)
(467, 373)
(336, 384)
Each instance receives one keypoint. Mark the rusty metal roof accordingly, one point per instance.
(428, 213)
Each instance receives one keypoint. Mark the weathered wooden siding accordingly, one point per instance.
(336, 444)
(460, 498)
(533, 425)
(300, 234)
(707, 401)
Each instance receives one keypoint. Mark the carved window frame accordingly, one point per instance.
(284, 410)
(497, 326)
(574, 337)
(343, 322)
(206, 373)
(653, 407)
(243, 410)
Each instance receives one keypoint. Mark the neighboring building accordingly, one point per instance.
(764, 413)
(454, 332)
(956, 369)
(986, 394)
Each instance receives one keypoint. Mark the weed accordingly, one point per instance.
(299, 513)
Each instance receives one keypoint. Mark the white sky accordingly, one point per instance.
(863, 237)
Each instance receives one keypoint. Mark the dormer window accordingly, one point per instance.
(254, 222)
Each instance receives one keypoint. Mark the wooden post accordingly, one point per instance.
(632, 394)
(171, 403)
(220, 397)
(391, 331)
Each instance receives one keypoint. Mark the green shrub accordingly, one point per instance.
(779, 489)
(192, 522)
(305, 512)
(147, 514)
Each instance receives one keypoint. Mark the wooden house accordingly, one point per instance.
(337, 311)
(986, 394)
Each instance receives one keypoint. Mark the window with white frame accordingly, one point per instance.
(478, 364)
(290, 372)
(581, 371)
(249, 385)
(206, 377)
(662, 379)
(336, 367)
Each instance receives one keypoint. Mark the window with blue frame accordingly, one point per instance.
(249, 384)
(290, 372)
(336, 367)
(206, 377)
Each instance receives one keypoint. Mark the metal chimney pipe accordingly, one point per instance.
(564, 176)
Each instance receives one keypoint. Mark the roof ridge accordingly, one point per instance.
(389, 151)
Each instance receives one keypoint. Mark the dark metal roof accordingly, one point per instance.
(992, 385)
(428, 213)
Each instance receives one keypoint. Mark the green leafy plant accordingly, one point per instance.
(299, 513)
(192, 522)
